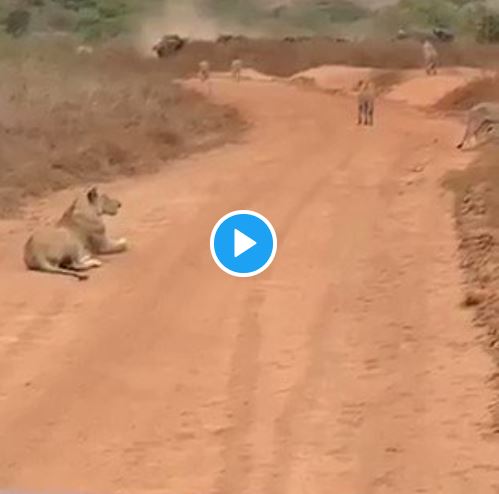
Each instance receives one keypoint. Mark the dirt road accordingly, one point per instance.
(347, 367)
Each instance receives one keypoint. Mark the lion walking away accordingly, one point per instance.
(430, 57)
(365, 103)
(204, 74)
(236, 69)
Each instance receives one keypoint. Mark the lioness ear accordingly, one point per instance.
(92, 194)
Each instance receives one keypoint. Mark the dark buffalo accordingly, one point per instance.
(296, 39)
(227, 38)
(168, 45)
(443, 34)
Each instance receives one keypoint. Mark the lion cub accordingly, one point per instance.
(68, 247)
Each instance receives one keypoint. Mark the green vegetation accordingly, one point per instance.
(17, 22)
(488, 28)
(321, 18)
(101, 19)
(90, 19)
(477, 19)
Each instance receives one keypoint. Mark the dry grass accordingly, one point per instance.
(67, 119)
(283, 59)
(79, 120)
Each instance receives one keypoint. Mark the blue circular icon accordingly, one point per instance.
(243, 243)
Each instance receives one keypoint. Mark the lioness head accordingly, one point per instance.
(361, 85)
(102, 202)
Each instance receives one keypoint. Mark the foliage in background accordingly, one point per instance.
(488, 29)
(17, 22)
(91, 19)
(473, 18)
(101, 19)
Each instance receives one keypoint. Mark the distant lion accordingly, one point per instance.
(365, 103)
(430, 57)
(482, 119)
(68, 247)
(204, 70)
(236, 69)
(84, 50)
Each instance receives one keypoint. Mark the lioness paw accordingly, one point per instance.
(94, 263)
(122, 242)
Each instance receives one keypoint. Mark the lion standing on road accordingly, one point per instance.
(204, 70)
(365, 103)
(68, 247)
(430, 57)
(236, 69)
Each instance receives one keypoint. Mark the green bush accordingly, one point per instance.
(345, 11)
(61, 20)
(488, 28)
(112, 9)
(77, 4)
(430, 13)
(17, 22)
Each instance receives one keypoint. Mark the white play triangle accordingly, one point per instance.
(242, 243)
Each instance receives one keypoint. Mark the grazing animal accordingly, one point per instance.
(365, 103)
(236, 69)
(69, 246)
(482, 119)
(430, 57)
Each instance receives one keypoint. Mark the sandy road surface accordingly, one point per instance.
(347, 367)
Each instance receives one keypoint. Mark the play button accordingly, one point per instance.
(243, 243)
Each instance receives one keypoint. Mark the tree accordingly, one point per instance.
(430, 12)
(488, 28)
(17, 22)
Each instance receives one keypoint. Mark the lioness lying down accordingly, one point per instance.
(68, 246)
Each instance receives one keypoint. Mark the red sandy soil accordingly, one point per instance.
(413, 87)
(348, 366)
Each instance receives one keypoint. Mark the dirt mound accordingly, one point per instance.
(279, 58)
(476, 193)
(338, 77)
(283, 59)
(384, 80)
(413, 87)
(476, 91)
(254, 75)
(246, 73)
(93, 119)
(422, 90)
(345, 78)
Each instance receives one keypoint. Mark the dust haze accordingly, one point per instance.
(190, 18)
